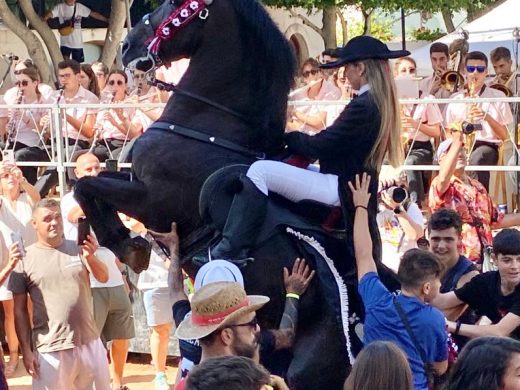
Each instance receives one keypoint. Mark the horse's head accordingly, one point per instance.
(149, 43)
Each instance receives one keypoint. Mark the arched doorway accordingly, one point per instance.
(301, 51)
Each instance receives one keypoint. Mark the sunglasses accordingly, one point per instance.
(473, 68)
(309, 72)
(23, 83)
(252, 324)
(113, 82)
(18, 72)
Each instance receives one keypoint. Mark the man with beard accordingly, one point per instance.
(60, 343)
(223, 319)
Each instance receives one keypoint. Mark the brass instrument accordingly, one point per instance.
(502, 85)
(469, 137)
(13, 123)
(452, 79)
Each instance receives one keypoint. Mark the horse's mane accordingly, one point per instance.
(267, 54)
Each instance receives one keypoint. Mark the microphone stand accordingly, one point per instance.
(516, 41)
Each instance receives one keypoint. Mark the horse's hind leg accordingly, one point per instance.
(101, 198)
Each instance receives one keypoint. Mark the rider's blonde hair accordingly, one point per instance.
(382, 87)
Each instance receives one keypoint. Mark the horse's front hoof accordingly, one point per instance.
(135, 252)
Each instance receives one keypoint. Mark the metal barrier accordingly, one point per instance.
(60, 160)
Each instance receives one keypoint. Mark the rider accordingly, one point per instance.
(367, 131)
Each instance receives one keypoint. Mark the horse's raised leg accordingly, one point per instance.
(101, 198)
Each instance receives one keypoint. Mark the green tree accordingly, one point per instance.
(332, 11)
(16, 13)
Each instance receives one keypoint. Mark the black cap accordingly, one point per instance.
(362, 48)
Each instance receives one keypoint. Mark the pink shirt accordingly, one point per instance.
(501, 112)
(108, 130)
(424, 113)
(27, 124)
(328, 91)
(83, 96)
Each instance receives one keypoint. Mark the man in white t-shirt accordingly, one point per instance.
(71, 40)
(493, 118)
(112, 306)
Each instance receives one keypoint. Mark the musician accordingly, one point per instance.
(312, 119)
(114, 126)
(44, 89)
(366, 131)
(502, 64)
(87, 79)
(25, 134)
(439, 57)
(494, 117)
(145, 93)
(420, 123)
(405, 66)
(101, 72)
(78, 126)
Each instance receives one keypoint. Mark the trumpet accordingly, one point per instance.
(13, 122)
(502, 85)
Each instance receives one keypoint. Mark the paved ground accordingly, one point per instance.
(139, 374)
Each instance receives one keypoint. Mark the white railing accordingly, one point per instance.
(60, 161)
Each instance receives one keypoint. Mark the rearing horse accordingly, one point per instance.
(229, 108)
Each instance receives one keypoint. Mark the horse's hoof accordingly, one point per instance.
(135, 252)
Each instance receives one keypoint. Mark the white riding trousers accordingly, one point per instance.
(294, 183)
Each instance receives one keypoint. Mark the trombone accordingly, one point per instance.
(504, 85)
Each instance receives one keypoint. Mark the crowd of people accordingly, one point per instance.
(459, 302)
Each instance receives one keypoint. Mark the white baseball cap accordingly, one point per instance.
(218, 271)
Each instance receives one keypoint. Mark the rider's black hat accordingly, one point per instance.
(363, 48)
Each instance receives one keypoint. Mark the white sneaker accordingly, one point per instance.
(161, 381)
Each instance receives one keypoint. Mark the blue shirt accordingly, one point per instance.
(382, 322)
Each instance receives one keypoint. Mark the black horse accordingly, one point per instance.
(229, 109)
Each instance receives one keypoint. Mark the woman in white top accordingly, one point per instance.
(25, 131)
(16, 203)
(312, 119)
(114, 126)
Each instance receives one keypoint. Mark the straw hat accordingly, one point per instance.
(215, 306)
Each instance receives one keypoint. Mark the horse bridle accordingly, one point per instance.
(179, 18)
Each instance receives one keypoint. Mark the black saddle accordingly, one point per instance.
(219, 189)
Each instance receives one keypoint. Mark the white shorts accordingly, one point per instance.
(79, 368)
(5, 294)
(158, 306)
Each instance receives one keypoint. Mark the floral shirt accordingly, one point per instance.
(476, 209)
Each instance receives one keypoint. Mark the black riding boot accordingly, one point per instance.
(244, 221)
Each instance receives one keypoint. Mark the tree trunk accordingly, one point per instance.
(448, 21)
(480, 12)
(367, 26)
(344, 27)
(114, 32)
(329, 27)
(48, 37)
(34, 45)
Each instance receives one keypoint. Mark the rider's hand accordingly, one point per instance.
(300, 278)
(360, 194)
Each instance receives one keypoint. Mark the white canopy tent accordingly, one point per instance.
(485, 33)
